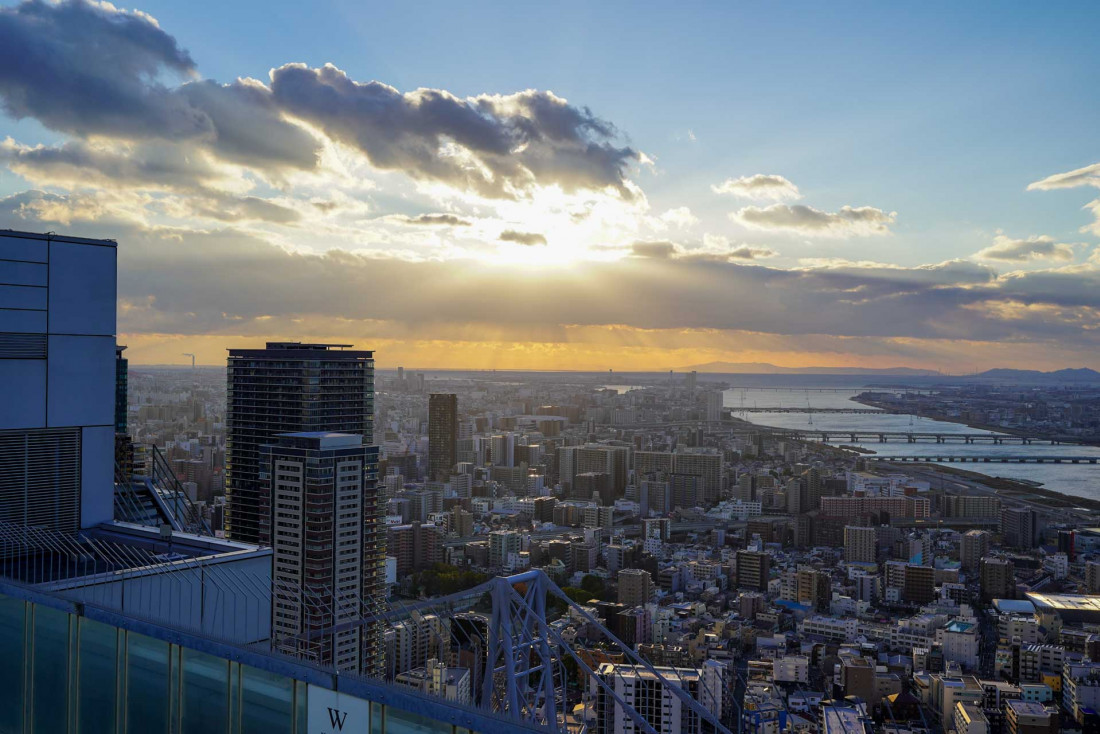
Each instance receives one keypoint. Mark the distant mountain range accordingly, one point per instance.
(1080, 374)
(763, 368)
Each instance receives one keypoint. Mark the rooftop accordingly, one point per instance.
(1073, 605)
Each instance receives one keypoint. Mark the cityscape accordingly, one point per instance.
(330, 408)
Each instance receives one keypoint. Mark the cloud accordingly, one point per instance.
(745, 252)
(715, 249)
(228, 209)
(659, 250)
(1087, 176)
(759, 186)
(55, 67)
(1041, 247)
(679, 217)
(810, 222)
(499, 146)
(229, 281)
(94, 70)
(522, 238)
(438, 220)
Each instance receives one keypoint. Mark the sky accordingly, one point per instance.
(591, 186)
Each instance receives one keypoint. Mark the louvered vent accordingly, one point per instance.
(22, 346)
(40, 478)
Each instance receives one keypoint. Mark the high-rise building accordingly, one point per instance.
(635, 587)
(815, 488)
(715, 401)
(859, 544)
(289, 387)
(122, 389)
(502, 543)
(326, 546)
(1019, 527)
(998, 578)
(442, 435)
(57, 380)
(502, 448)
(973, 548)
(751, 568)
(703, 463)
(919, 586)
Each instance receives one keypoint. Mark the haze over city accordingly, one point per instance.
(572, 186)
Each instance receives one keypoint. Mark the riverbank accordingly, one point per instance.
(1015, 490)
(943, 418)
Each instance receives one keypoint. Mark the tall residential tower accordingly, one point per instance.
(442, 435)
(289, 387)
(327, 547)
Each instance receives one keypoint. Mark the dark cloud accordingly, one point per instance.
(664, 250)
(522, 238)
(439, 220)
(245, 208)
(93, 70)
(660, 250)
(849, 221)
(745, 252)
(89, 69)
(80, 164)
(507, 143)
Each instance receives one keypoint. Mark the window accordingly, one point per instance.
(147, 691)
(12, 614)
(97, 677)
(205, 695)
(266, 702)
(51, 670)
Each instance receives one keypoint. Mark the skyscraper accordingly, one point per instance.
(326, 546)
(289, 387)
(1019, 527)
(442, 435)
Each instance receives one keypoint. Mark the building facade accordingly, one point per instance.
(289, 387)
(442, 435)
(329, 557)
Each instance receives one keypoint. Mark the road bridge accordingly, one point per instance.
(839, 411)
(992, 459)
(872, 436)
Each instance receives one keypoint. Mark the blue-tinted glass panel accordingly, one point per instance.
(146, 684)
(267, 702)
(405, 722)
(205, 705)
(376, 718)
(51, 670)
(11, 663)
(97, 677)
(301, 709)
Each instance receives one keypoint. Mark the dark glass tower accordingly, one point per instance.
(289, 387)
(442, 435)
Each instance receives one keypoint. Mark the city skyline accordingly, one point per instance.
(693, 188)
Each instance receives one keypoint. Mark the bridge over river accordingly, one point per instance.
(872, 436)
(992, 459)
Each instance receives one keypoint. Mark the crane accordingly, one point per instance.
(186, 354)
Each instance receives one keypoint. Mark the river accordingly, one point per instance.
(1081, 480)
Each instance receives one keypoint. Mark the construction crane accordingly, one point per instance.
(192, 359)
